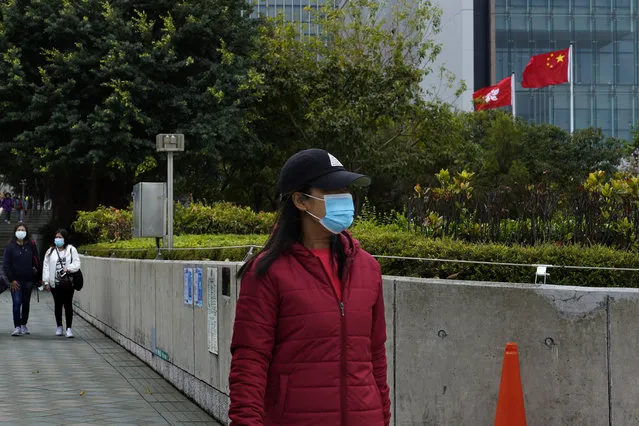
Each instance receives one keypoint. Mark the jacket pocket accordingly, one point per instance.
(281, 398)
(378, 392)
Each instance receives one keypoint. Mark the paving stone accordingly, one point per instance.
(89, 380)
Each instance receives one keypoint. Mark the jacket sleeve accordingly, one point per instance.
(252, 349)
(378, 351)
(74, 266)
(7, 264)
(45, 266)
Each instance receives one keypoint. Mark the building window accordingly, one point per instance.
(606, 46)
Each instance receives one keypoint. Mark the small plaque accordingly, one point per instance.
(169, 142)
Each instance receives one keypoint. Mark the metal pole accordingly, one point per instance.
(23, 182)
(571, 76)
(169, 190)
(513, 94)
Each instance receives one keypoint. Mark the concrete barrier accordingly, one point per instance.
(445, 342)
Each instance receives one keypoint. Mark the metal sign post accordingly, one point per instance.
(23, 182)
(169, 143)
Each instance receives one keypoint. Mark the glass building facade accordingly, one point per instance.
(293, 11)
(606, 46)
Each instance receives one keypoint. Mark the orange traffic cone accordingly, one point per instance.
(510, 405)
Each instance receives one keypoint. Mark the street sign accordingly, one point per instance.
(169, 142)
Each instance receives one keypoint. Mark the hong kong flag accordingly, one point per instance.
(495, 96)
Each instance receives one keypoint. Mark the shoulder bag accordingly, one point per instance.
(76, 277)
(71, 279)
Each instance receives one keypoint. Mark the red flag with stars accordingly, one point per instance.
(547, 69)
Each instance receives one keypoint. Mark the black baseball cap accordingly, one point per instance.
(319, 169)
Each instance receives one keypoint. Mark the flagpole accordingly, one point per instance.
(571, 77)
(513, 94)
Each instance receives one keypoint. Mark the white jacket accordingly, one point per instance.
(50, 260)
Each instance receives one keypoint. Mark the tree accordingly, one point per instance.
(86, 85)
(354, 89)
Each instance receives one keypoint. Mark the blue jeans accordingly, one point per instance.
(21, 303)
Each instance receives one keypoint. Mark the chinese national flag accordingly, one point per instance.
(547, 69)
(495, 96)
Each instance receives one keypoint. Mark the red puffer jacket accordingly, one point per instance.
(302, 358)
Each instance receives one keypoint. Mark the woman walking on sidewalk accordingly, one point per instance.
(59, 261)
(309, 336)
(21, 267)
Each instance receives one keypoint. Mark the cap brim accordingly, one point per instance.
(340, 179)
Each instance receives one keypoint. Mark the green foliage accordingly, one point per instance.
(519, 153)
(604, 210)
(144, 248)
(369, 215)
(389, 241)
(353, 90)
(86, 85)
(105, 224)
(406, 244)
(222, 218)
(108, 224)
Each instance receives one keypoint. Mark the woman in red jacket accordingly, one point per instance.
(309, 337)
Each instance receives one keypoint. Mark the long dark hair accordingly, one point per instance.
(286, 232)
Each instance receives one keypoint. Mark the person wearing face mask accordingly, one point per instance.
(21, 267)
(309, 336)
(59, 261)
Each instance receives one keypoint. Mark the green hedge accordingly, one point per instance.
(222, 218)
(391, 241)
(108, 224)
(145, 248)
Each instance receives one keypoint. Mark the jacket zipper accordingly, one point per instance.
(342, 360)
(342, 381)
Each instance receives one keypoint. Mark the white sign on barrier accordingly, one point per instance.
(212, 309)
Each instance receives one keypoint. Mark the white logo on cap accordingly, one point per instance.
(334, 161)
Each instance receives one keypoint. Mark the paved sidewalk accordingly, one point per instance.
(90, 379)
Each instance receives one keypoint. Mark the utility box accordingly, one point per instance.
(149, 209)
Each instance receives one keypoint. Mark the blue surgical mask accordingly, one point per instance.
(59, 242)
(340, 211)
(21, 235)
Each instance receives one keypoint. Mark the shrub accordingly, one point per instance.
(390, 241)
(104, 224)
(221, 218)
(201, 247)
(108, 224)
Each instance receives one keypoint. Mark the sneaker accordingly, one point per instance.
(69, 333)
(24, 330)
(17, 332)
(58, 331)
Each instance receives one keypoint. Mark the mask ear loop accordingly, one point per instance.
(315, 198)
(312, 215)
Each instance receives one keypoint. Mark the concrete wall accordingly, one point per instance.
(445, 345)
